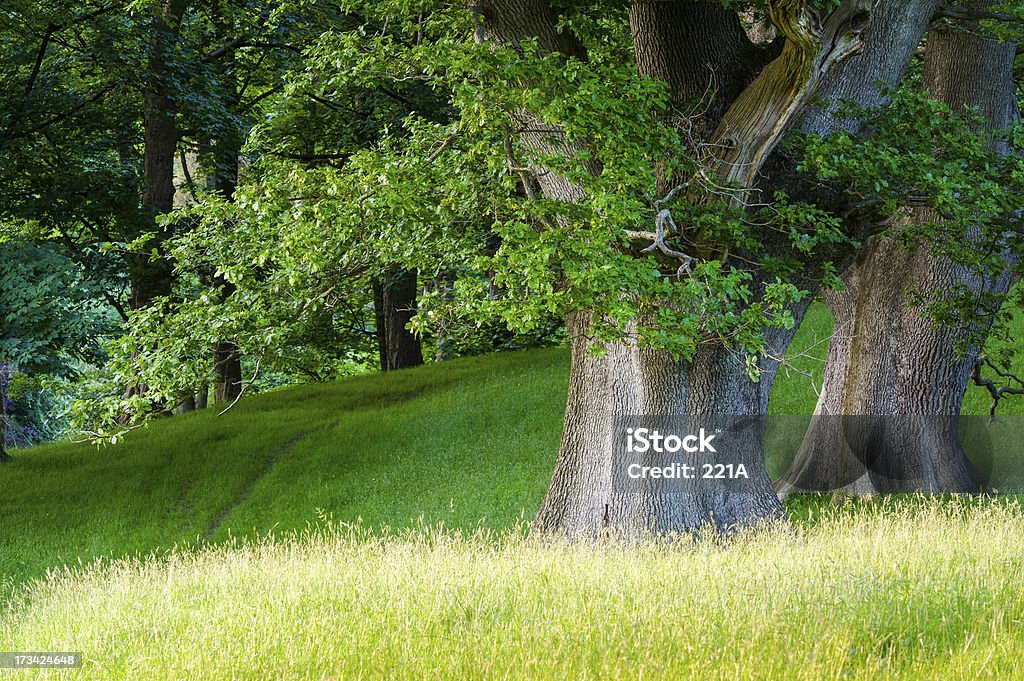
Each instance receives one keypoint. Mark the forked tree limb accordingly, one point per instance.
(755, 123)
(997, 392)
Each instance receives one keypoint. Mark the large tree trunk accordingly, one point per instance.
(700, 50)
(696, 47)
(394, 302)
(887, 418)
(587, 497)
(890, 41)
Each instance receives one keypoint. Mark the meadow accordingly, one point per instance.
(376, 527)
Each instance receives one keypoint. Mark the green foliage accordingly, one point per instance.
(918, 154)
(376, 135)
(51, 315)
(51, 329)
(459, 198)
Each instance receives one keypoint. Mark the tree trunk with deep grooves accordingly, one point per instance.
(582, 501)
(394, 302)
(890, 41)
(746, 121)
(700, 50)
(893, 387)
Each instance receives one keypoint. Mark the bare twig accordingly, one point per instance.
(245, 386)
(444, 145)
(995, 390)
(663, 218)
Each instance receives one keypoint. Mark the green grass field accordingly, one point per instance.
(225, 550)
(868, 591)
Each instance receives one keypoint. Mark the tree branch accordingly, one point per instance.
(996, 391)
(969, 14)
(229, 46)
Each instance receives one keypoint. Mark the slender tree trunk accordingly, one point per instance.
(228, 365)
(4, 457)
(394, 302)
(150, 277)
(227, 149)
(226, 358)
(887, 418)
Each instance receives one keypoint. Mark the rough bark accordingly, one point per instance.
(756, 122)
(887, 418)
(512, 20)
(629, 380)
(701, 51)
(890, 41)
(394, 302)
(582, 503)
(150, 277)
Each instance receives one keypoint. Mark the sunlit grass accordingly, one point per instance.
(887, 589)
(883, 588)
(464, 442)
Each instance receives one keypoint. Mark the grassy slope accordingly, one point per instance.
(457, 442)
(465, 443)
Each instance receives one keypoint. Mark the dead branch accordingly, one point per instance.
(995, 390)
